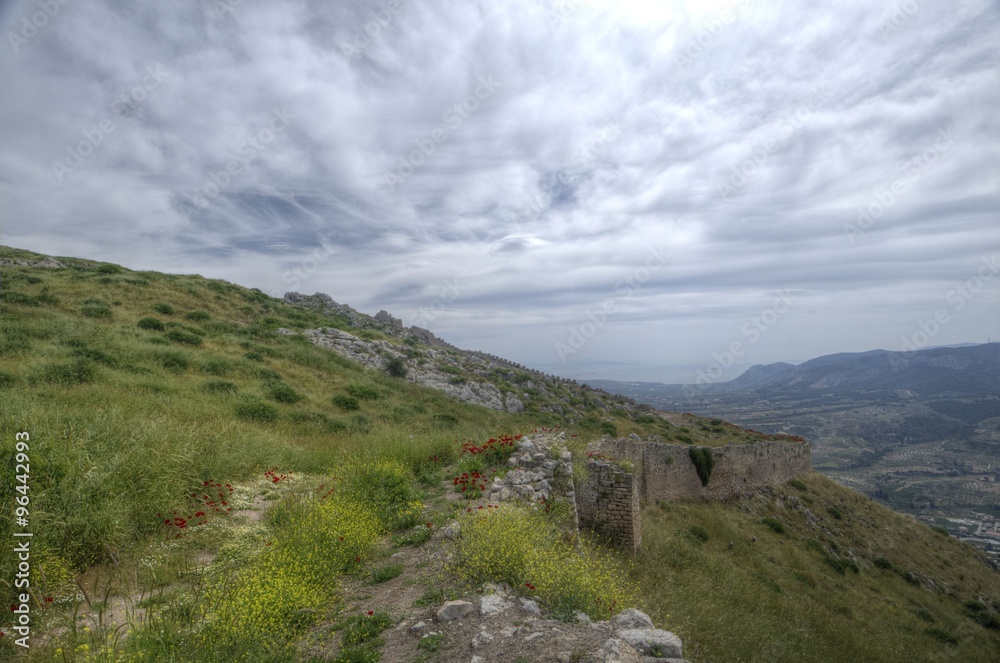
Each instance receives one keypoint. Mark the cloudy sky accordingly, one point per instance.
(627, 190)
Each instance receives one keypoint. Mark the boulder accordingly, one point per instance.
(453, 610)
(493, 604)
(618, 651)
(631, 618)
(652, 641)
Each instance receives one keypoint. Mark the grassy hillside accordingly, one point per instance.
(150, 398)
(813, 571)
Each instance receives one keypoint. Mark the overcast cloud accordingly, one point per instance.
(619, 189)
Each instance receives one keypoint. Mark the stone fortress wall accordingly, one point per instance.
(609, 500)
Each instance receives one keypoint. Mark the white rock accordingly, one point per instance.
(453, 610)
(492, 604)
(509, 631)
(419, 626)
(530, 607)
(631, 618)
(645, 640)
(618, 651)
(533, 636)
(482, 638)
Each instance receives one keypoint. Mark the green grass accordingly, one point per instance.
(802, 598)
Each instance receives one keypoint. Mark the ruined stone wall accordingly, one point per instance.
(666, 472)
(608, 503)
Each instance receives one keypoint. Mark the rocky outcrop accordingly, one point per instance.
(47, 263)
(428, 373)
(383, 318)
(507, 627)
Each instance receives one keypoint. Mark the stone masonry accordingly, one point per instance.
(608, 503)
(665, 471)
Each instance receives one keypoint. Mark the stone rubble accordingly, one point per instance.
(629, 637)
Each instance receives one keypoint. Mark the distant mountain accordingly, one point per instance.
(969, 370)
(963, 371)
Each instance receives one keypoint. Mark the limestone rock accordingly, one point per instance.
(530, 607)
(651, 641)
(631, 618)
(482, 638)
(453, 610)
(493, 604)
(618, 651)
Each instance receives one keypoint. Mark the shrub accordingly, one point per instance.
(185, 337)
(776, 525)
(445, 419)
(198, 316)
(363, 392)
(69, 374)
(942, 635)
(366, 628)
(699, 532)
(703, 463)
(841, 564)
(19, 298)
(220, 387)
(164, 309)
(346, 403)
(386, 487)
(282, 393)
(835, 512)
(386, 573)
(396, 367)
(883, 563)
(174, 361)
(414, 537)
(150, 323)
(96, 311)
(7, 380)
(216, 366)
(608, 428)
(256, 411)
(108, 268)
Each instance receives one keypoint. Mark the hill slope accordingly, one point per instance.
(149, 397)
